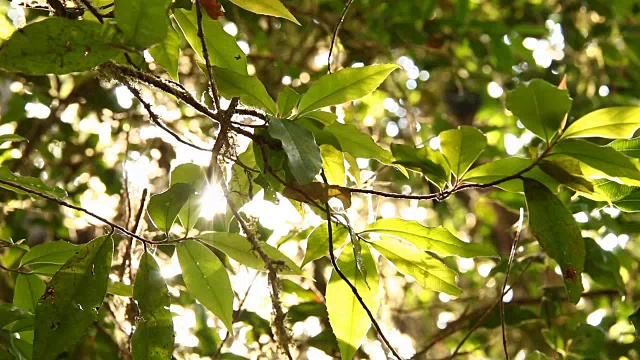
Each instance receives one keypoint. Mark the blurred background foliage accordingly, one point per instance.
(458, 59)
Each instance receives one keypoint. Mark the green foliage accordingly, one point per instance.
(30, 183)
(462, 147)
(248, 88)
(303, 155)
(610, 123)
(144, 23)
(164, 208)
(58, 46)
(69, 304)
(266, 7)
(167, 52)
(558, 233)
(287, 101)
(348, 319)
(154, 336)
(540, 106)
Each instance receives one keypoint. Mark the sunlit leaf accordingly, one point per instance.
(193, 175)
(154, 336)
(144, 22)
(53, 252)
(222, 47)
(461, 147)
(31, 183)
(610, 123)
(207, 280)
(324, 117)
(57, 45)
(71, 301)
(304, 158)
(163, 208)
(558, 234)
(266, 7)
(248, 88)
(120, 289)
(601, 158)
(343, 86)
(333, 165)
(630, 148)
(318, 242)
(167, 53)
(429, 272)
(287, 100)
(239, 249)
(572, 181)
(348, 319)
(499, 169)
(540, 106)
(436, 239)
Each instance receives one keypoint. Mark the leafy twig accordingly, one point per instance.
(354, 290)
(336, 31)
(93, 10)
(213, 90)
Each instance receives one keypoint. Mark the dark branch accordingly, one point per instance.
(336, 31)
(213, 90)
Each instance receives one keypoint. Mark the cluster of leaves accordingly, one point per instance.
(304, 154)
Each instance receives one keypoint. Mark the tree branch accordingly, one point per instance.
(213, 90)
(335, 33)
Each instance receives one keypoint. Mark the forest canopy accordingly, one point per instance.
(271, 179)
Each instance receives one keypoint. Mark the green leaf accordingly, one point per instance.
(222, 47)
(499, 169)
(144, 22)
(69, 305)
(153, 338)
(601, 265)
(348, 319)
(429, 162)
(461, 147)
(536, 355)
(53, 252)
(304, 158)
(11, 137)
(428, 272)
(610, 123)
(120, 289)
(30, 183)
(630, 203)
(557, 232)
(193, 175)
(266, 7)
(343, 86)
(333, 165)
(167, 53)
(358, 144)
(241, 187)
(239, 249)
(248, 88)
(318, 242)
(601, 158)
(563, 176)
(57, 45)
(29, 288)
(540, 106)
(164, 208)
(436, 239)
(207, 280)
(323, 117)
(287, 100)
(630, 148)
(10, 313)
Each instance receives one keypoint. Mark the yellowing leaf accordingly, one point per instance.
(318, 191)
(348, 319)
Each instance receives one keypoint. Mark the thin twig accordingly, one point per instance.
(335, 33)
(83, 210)
(512, 256)
(213, 90)
(488, 311)
(93, 10)
(14, 270)
(127, 253)
(354, 290)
